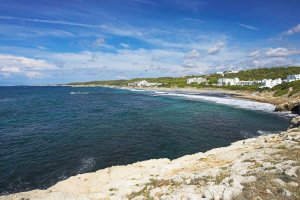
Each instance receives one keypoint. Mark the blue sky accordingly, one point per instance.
(43, 41)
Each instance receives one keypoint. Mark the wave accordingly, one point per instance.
(160, 92)
(136, 90)
(248, 134)
(87, 164)
(216, 98)
(262, 132)
(4, 100)
(240, 103)
(79, 93)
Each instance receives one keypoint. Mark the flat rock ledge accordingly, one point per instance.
(266, 167)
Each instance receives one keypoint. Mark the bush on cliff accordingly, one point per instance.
(286, 88)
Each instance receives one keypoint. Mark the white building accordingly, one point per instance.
(232, 72)
(227, 81)
(143, 83)
(293, 77)
(243, 83)
(269, 83)
(196, 80)
(220, 73)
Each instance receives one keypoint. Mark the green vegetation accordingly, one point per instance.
(265, 73)
(286, 89)
(245, 75)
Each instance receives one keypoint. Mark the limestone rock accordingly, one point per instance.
(279, 182)
(286, 193)
(293, 106)
(295, 122)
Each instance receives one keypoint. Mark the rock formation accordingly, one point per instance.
(295, 122)
(293, 106)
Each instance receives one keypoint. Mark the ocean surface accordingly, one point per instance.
(48, 134)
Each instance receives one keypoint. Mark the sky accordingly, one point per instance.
(54, 41)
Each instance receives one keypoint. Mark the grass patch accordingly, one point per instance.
(279, 93)
(283, 147)
(266, 189)
(221, 176)
(154, 183)
(284, 89)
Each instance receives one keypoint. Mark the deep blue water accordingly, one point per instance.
(50, 133)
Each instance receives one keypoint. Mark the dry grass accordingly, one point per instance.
(154, 183)
(264, 188)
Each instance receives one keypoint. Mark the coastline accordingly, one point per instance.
(208, 174)
(222, 173)
(262, 97)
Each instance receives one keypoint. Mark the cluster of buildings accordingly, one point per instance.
(293, 77)
(269, 83)
(196, 80)
(143, 83)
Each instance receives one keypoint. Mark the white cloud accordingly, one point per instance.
(100, 42)
(281, 52)
(34, 74)
(124, 60)
(248, 26)
(190, 64)
(293, 30)
(216, 48)
(194, 20)
(124, 45)
(271, 62)
(30, 67)
(45, 21)
(255, 53)
(10, 70)
(192, 54)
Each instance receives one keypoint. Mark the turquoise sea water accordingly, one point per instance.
(48, 134)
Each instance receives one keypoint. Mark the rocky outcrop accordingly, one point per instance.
(295, 122)
(293, 106)
(258, 168)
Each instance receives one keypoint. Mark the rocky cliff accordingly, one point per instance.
(266, 167)
(293, 106)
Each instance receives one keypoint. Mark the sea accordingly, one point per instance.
(48, 134)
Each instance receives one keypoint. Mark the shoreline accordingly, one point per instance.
(262, 97)
(222, 171)
(109, 183)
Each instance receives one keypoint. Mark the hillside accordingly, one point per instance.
(287, 89)
(180, 82)
(265, 73)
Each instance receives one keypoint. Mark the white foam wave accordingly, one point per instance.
(261, 132)
(240, 103)
(157, 92)
(4, 100)
(87, 164)
(79, 93)
(136, 90)
(246, 134)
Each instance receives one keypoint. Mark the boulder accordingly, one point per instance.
(295, 122)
